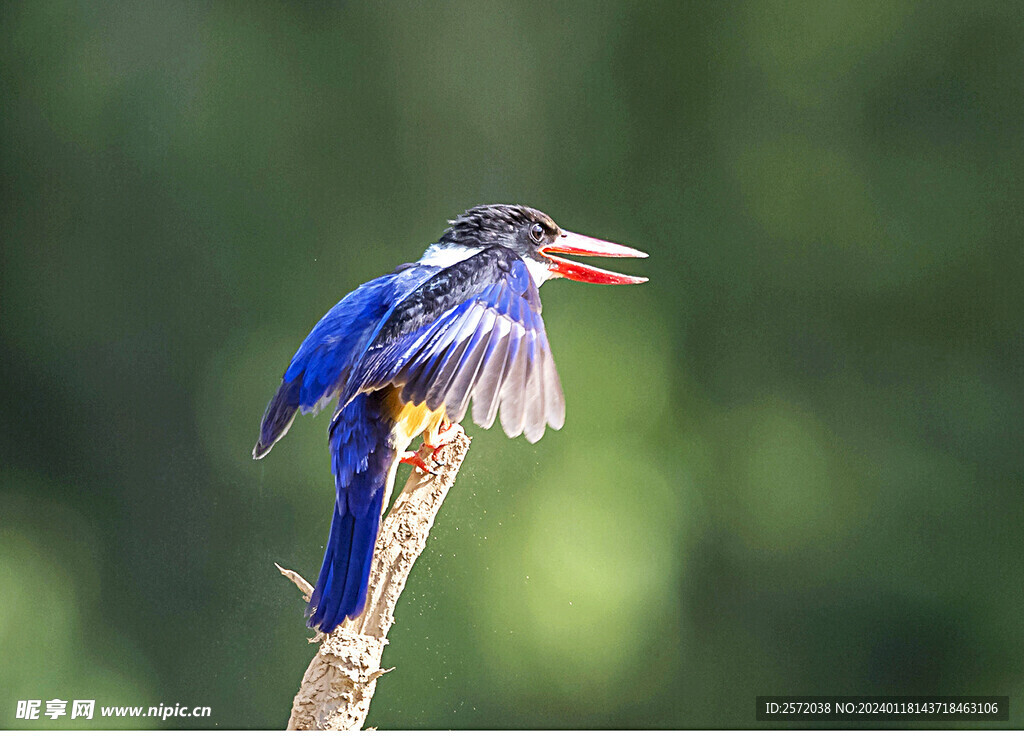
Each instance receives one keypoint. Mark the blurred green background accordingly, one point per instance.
(792, 462)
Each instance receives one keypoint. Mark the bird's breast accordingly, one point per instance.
(411, 420)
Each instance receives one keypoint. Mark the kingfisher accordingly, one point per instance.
(402, 356)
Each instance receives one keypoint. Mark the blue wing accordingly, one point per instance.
(321, 366)
(489, 347)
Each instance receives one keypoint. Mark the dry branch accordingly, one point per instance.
(339, 683)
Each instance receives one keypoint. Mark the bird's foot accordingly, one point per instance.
(439, 439)
(417, 461)
(434, 450)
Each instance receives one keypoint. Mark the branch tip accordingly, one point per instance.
(304, 587)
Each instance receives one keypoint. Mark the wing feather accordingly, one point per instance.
(449, 367)
(535, 403)
(425, 367)
(513, 396)
(490, 349)
(457, 395)
(487, 394)
(554, 398)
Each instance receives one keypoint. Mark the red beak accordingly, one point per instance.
(581, 245)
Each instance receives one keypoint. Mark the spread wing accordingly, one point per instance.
(321, 366)
(474, 331)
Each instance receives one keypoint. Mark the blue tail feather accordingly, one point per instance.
(362, 458)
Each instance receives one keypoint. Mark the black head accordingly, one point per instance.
(535, 238)
(523, 229)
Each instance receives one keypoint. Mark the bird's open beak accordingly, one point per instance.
(580, 245)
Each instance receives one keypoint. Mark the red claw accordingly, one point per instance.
(435, 450)
(414, 459)
(440, 439)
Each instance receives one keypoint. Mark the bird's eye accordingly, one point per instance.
(537, 233)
